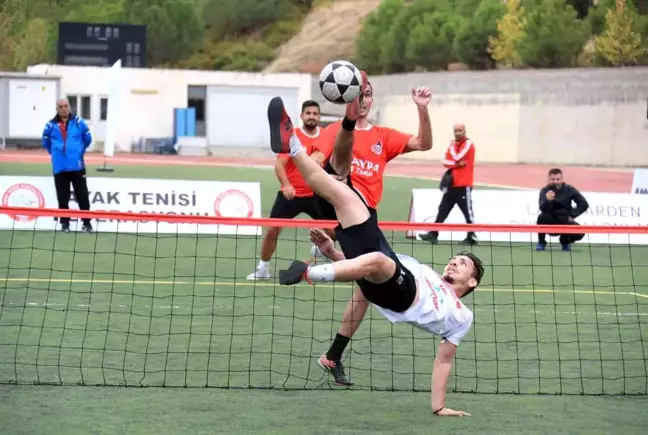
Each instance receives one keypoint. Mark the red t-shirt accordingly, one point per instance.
(373, 147)
(294, 176)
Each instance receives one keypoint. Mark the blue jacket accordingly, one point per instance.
(67, 155)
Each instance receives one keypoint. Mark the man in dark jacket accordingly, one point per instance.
(66, 138)
(556, 208)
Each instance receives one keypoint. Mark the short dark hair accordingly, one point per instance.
(310, 103)
(555, 171)
(478, 269)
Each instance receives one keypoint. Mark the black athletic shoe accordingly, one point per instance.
(336, 369)
(430, 237)
(65, 228)
(87, 228)
(296, 273)
(470, 241)
(281, 127)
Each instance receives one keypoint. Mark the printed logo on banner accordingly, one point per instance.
(141, 196)
(23, 195)
(234, 203)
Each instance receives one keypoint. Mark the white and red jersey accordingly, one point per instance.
(438, 310)
(462, 151)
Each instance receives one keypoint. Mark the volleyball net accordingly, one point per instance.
(160, 300)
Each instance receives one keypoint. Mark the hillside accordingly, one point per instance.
(327, 33)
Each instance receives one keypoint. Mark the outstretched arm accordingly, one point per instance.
(440, 375)
(422, 141)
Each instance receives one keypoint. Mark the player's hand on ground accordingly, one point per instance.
(322, 240)
(421, 96)
(288, 191)
(447, 412)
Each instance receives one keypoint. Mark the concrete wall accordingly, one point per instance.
(574, 116)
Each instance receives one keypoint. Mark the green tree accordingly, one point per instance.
(620, 44)
(372, 37)
(553, 35)
(392, 52)
(397, 43)
(430, 40)
(230, 18)
(598, 13)
(174, 28)
(99, 11)
(31, 48)
(465, 8)
(11, 20)
(242, 56)
(471, 42)
(510, 28)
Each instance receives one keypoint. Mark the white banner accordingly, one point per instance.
(516, 207)
(114, 109)
(640, 181)
(174, 197)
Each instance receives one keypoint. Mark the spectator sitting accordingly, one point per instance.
(556, 209)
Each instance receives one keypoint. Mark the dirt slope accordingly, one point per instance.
(328, 33)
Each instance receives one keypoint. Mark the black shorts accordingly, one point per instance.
(290, 208)
(399, 292)
(325, 208)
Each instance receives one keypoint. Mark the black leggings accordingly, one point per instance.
(549, 219)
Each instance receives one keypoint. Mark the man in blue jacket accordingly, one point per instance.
(66, 138)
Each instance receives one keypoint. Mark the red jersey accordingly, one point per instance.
(463, 151)
(373, 147)
(294, 176)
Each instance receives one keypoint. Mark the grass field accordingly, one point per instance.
(108, 309)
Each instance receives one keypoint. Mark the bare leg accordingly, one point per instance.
(269, 245)
(349, 208)
(353, 314)
(375, 267)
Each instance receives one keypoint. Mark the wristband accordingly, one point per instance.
(347, 124)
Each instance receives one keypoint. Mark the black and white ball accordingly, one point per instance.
(340, 82)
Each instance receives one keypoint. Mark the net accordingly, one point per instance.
(159, 300)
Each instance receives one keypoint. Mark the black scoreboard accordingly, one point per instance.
(91, 44)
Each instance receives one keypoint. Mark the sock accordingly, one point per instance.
(337, 348)
(322, 272)
(263, 264)
(295, 145)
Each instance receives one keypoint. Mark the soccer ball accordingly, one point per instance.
(340, 82)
